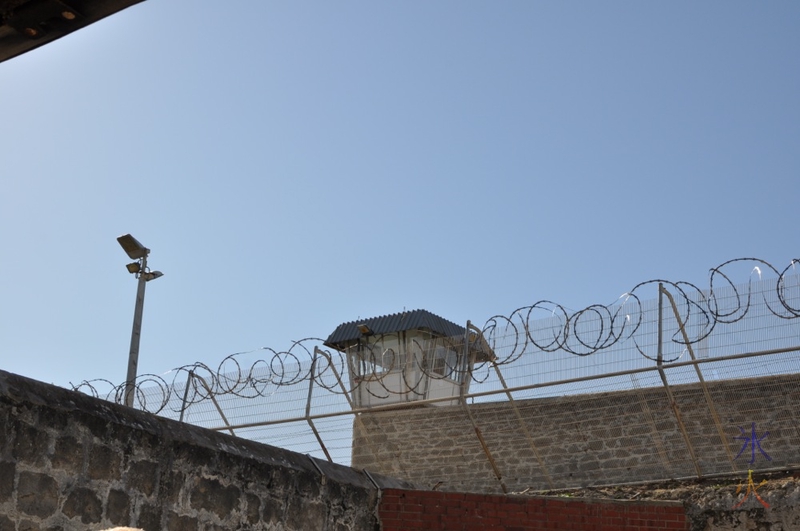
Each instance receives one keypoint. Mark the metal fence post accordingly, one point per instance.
(462, 399)
(711, 408)
(673, 404)
(356, 415)
(308, 409)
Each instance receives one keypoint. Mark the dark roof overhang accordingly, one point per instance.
(348, 333)
(28, 24)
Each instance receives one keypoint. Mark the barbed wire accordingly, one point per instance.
(599, 327)
(545, 327)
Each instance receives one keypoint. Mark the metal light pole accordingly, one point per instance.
(138, 252)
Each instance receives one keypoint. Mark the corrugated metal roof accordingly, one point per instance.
(396, 322)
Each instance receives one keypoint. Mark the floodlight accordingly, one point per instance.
(152, 275)
(134, 267)
(132, 246)
(364, 329)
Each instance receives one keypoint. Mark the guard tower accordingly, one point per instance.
(408, 357)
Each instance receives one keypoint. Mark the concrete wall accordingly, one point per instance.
(585, 440)
(69, 461)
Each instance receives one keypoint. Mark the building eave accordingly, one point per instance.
(28, 24)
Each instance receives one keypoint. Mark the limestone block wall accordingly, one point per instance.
(69, 461)
(585, 440)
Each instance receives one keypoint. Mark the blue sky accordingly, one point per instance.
(296, 165)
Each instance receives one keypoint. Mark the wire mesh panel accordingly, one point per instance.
(671, 381)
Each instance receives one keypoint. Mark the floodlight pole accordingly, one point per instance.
(136, 334)
(135, 250)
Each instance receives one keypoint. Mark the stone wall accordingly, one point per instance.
(587, 440)
(72, 462)
(69, 461)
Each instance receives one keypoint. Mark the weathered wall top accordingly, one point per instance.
(68, 460)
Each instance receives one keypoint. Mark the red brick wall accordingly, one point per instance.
(402, 510)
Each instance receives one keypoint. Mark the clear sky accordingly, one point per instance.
(295, 165)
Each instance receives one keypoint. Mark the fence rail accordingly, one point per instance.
(642, 389)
